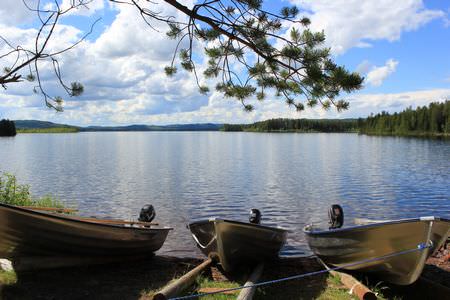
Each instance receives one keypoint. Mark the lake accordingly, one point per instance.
(292, 178)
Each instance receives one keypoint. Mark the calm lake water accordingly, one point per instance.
(291, 178)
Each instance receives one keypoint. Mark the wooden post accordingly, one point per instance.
(214, 290)
(356, 288)
(175, 288)
(247, 293)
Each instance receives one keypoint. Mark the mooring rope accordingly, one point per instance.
(419, 247)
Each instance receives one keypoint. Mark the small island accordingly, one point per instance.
(7, 128)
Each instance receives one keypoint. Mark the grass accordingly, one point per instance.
(48, 130)
(7, 277)
(206, 282)
(332, 290)
(328, 288)
(381, 289)
(203, 282)
(14, 193)
(335, 290)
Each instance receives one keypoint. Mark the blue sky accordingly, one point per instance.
(401, 47)
(423, 55)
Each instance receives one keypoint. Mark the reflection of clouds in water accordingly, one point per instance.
(291, 178)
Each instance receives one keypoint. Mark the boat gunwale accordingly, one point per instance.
(313, 232)
(74, 219)
(281, 230)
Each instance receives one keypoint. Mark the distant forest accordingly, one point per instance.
(7, 128)
(297, 125)
(431, 120)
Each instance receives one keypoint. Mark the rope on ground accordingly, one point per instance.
(419, 247)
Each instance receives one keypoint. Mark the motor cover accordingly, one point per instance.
(336, 216)
(255, 216)
(147, 213)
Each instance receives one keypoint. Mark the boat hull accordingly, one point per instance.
(31, 234)
(344, 247)
(234, 243)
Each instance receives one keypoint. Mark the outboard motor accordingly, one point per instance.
(336, 216)
(147, 213)
(255, 216)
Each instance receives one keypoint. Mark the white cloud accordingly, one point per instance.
(364, 67)
(14, 12)
(447, 19)
(217, 110)
(129, 35)
(122, 71)
(378, 74)
(447, 22)
(355, 23)
(83, 10)
(364, 104)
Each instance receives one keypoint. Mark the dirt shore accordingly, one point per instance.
(139, 279)
(438, 266)
(127, 280)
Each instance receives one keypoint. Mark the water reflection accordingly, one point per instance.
(292, 178)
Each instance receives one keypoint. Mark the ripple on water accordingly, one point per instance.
(188, 176)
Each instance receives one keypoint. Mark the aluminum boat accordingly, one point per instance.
(345, 247)
(233, 243)
(31, 234)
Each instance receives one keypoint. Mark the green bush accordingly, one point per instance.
(13, 193)
(7, 128)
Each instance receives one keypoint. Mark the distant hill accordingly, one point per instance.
(35, 124)
(181, 127)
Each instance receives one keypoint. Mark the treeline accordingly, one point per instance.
(7, 128)
(297, 125)
(48, 130)
(431, 120)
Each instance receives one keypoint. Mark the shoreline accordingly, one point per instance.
(438, 136)
(140, 279)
